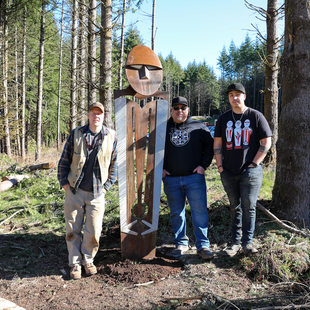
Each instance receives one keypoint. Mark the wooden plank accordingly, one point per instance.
(121, 130)
(160, 137)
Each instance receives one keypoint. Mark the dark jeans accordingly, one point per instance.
(192, 187)
(242, 191)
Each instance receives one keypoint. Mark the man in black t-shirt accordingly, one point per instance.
(188, 153)
(242, 139)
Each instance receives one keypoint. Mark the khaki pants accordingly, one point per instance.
(81, 209)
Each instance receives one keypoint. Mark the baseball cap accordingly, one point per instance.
(96, 105)
(179, 100)
(235, 86)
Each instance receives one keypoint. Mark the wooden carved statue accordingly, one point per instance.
(141, 141)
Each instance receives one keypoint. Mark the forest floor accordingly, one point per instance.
(40, 280)
(34, 274)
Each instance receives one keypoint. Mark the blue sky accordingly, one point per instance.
(198, 29)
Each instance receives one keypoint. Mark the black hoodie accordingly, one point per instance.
(188, 145)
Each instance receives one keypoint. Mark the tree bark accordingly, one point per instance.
(17, 96)
(106, 60)
(59, 77)
(40, 83)
(153, 25)
(82, 62)
(23, 94)
(271, 76)
(5, 60)
(92, 52)
(74, 64)
(291, 195)
(120, 70)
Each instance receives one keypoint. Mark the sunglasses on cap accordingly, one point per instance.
(180, 108)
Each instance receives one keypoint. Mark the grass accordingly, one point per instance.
(39, 202)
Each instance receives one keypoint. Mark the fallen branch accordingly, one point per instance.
(305, 306)
(42, 166)
(283, 225)
(143, 284)
(11, 216)
(10, 209)
(146, 283)
(183, 299)
(210, 296)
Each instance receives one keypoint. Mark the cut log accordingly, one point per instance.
(9, 181)
(42, 166)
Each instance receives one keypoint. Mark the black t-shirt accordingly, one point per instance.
(93, 142)
(188, 145)
(240, 135)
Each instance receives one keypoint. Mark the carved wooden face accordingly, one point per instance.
(144, 70)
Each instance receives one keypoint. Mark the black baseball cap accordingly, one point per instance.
(179, 100)
(235, 86)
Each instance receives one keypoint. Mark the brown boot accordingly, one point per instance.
(75, 272)
(90, 269)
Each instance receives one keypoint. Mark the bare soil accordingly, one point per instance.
(34, 275)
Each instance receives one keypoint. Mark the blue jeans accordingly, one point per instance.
(242, 191)
(194, 188)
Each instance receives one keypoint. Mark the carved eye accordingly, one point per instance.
(137, 67)
(152, 68)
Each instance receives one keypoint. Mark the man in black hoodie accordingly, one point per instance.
(188, 152)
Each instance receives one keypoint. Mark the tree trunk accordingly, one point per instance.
(120, 71)
(271, 76)
(106, 60)
(153, 25)
(23, 94)
(291, 195)
(17, 96)
(40, 84)
(92, 52)
(5, 61)
(74, 64)
(82, 61)
(59, 77)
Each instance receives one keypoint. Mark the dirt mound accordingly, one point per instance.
(112, 269)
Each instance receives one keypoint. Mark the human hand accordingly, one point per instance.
(165, 172)
(199, 170)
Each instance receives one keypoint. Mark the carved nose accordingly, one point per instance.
(144, 73)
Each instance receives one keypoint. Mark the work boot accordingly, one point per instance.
(249, 249)
(205, 253)
(75, 272)
(90, 269)
(178, 251)
(233, 250)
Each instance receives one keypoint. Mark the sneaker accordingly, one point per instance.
(205, 253)
(75, 272)
(249, 249)
(90, 269)
(178, 251)
(233, 250)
